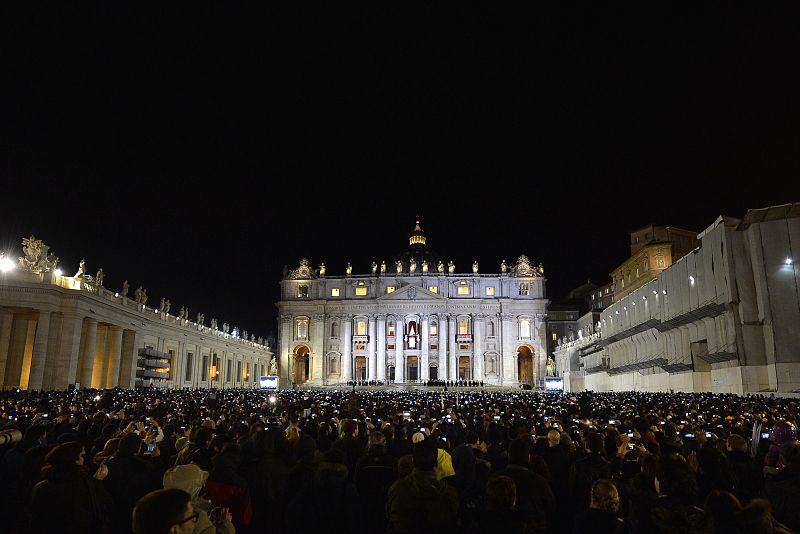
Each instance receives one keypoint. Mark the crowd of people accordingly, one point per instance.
(389, 461)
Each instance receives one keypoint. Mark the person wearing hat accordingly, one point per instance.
(444, 462)
(191, 479)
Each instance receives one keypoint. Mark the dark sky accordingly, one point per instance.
(197, 150)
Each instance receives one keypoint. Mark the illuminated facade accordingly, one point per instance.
(58, 331)
(412, 320)
(723, 318)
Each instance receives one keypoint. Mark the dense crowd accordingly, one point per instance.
(379, 461)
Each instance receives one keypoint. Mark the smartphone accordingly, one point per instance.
(150, 448)
(630, 446)
(612, 422)
(708, 434)
(689, 435)
(630, 434)
(496, 417)
(765, 435)
(554, 425)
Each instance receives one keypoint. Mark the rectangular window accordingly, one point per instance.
(434, 346)
(390, 346)
(335, 292)
(238, 371)
(523, 288)
(389, 289)
(189, 358)
(247, 372)
(361, 347)
(555, 336)
(228, 371)
(463, 347)
(463, 290)
(204, 369)
(434, 330)
(302, 292)
(490, 291)
(361, 291)
(433, 289)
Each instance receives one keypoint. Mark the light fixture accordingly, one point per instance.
(644, 297)
(5, 263)
(625, 308)
(58, 272)
(633, 302)
(617, 312)
(691, 279)
(655, 292)
(788, 261)
(664, 291)
(272, 399)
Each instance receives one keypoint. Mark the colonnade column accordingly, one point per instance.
(347, 359)
(68, 352)
(22, 350)
(424, 365)
(451, 341)
(114, 356)
(6, 318)
(87, 353)
(381, 344)
(399, 356)
(477, 346)
(39, 359)
(443, 342)
(100, 350)
(372, 367)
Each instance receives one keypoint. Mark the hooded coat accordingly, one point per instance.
(420, 504)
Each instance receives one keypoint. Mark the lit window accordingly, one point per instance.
(555, 336)
(335, 292)
(433, 289)
(390, 289)
(361, 327)
(490, 291)
(592, 296)
(302, 291)
(390, 329)
(302, 329)
(463, 290)
(463, 326)
(361, 291)
(434, 329)
(523, 288)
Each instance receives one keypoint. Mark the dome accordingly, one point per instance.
(416, 253)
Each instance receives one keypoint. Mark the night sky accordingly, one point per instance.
(197, 150)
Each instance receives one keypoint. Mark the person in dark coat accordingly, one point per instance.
(420, 504)
(783, 489)
(746, 471)
(588, 469)
(556, 456)
(470, 483)
(602, 517)
(375, 472)
(676, 508)
(350, 445)
(535, 499)
(226, 488)
(69, 499)
(500, 513)
(130, 476)
(334, 498)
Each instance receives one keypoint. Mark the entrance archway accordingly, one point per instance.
(301, 365)
(525, 365)
(361, 368)
(464, 371)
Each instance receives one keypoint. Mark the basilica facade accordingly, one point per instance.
(413, 320)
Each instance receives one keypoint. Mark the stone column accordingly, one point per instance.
(51, 359)
(88, 345)
(6, 319)
(347, 348)
(317, 349)
(68, 352)
(477, 346)
(129, 356)
(509, 350)
(381, 345)
(114, 356)
(424, 364)
(39, 358)
(284, 350)
(399, 348)
(451, 341)
(443, 367)
(27, 352)
(100, 356)
(372, 367)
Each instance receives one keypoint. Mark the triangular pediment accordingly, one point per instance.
(412, 293)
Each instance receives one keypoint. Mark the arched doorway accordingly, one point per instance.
(464, 371)
(525, 364)
(301, 366)
(412, 366)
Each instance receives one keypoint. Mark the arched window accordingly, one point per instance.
(434, 329)
(361, 327)
(302, 327)
(335, 329)
(463, 326)
(412, 334)
(490, 329)
(390, 329)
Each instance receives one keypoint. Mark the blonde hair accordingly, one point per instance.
(605, 496)
(292, 434)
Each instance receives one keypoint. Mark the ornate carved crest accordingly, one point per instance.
(36, 259)
(303, 272)
(412, 293)
(524, 267)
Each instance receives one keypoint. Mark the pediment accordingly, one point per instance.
(410, 292)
